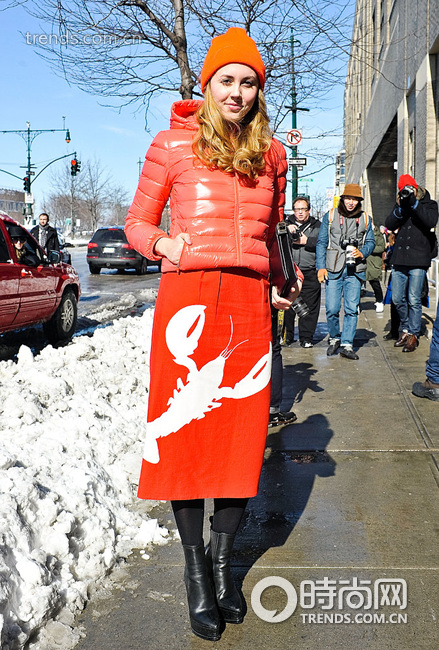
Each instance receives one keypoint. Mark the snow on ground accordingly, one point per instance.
(125, 303)
(71, 438)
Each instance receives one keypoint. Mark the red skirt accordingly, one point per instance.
(209, 393)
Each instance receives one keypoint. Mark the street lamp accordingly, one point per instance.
(29, 136)
(294, 108)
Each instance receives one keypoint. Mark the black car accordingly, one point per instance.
(109, 249)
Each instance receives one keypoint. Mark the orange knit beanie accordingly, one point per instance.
(232, 47)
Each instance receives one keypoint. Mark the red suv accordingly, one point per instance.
(35, 287)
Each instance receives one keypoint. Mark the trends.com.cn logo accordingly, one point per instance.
(330, 600)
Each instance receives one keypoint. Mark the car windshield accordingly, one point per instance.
(109, 236)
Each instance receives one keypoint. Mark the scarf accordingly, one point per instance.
(43, 235)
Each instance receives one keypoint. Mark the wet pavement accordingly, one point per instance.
(347, 514)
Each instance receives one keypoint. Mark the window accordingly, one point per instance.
(411, 152)
(4, 254)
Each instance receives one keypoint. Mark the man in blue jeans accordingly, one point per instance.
(345, 241)
(414, 216)
(430, 387)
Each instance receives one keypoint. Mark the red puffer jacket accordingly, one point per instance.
(230, 223)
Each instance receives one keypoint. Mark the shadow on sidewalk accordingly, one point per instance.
(297, 379)
(295, 456)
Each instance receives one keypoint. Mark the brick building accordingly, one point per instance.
(392, 99)
(12, 202)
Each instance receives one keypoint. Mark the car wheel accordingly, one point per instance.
(94, 269)
(62, 325)
(143, 267)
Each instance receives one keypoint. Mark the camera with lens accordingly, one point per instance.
(350, 241)
(405, 193)
(348, 245)
(296, 235)
(300, 307)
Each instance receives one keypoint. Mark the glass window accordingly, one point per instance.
(4, 254)
(104, 236)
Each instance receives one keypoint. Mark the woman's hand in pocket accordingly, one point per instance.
(172, 248)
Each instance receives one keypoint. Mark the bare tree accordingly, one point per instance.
(95, 193)
(132, 50)
(319, 205)
(64, 203)
(118, 205)
(89, 198)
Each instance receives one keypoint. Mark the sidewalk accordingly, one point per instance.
(348, 492)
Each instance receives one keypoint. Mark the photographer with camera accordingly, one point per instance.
(345, 241)
(304, 230)
(414, 216)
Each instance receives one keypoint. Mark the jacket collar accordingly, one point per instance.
(183, 114)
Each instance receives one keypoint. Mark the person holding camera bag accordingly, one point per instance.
(414, 216)
(345, 241)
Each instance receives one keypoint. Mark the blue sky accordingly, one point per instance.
(31, 91)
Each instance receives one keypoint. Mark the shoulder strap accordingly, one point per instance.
(365, 219)
(330, 220)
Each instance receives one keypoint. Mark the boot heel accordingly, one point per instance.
(204, 616)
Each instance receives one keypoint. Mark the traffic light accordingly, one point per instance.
(26, 184)
(75, 167)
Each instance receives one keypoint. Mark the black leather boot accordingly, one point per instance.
(229, 600)
(203, 611)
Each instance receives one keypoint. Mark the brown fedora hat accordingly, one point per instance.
(354, 190)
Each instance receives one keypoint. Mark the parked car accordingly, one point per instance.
(42, 290)
(109, 249)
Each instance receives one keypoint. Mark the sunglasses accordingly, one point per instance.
(19, 239)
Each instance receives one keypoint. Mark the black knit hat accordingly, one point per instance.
(16, 231)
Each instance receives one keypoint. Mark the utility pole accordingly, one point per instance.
(294, 108)
(29, 136)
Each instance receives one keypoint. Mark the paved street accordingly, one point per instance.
(348, 493)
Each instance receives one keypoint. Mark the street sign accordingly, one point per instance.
(297, 161)
(294, 137)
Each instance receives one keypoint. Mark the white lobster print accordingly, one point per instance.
(202, 392)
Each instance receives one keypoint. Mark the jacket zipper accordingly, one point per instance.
(178, 263)
(236, 221)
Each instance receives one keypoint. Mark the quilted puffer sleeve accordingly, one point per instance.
(279, 162)
(144, 216)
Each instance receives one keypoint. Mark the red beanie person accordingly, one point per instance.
(406, 179)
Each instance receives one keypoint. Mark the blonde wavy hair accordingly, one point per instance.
(232, 147)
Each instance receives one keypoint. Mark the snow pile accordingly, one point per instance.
(71, 438)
